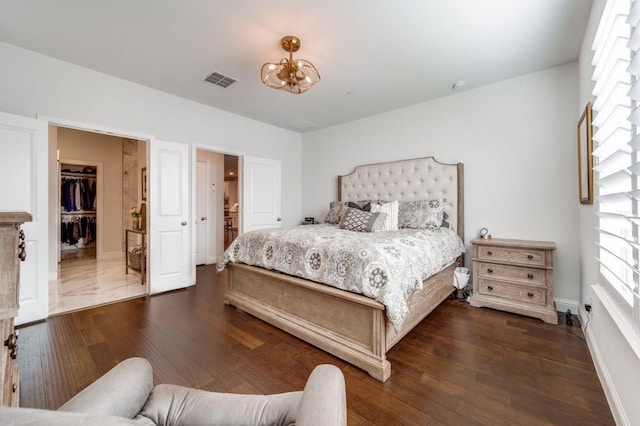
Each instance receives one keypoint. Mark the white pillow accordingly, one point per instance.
(391, 209)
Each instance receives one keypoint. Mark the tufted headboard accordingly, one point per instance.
(408, 180)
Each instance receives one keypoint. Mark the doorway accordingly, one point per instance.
(101, 217)
(216, 204)
(231, 199)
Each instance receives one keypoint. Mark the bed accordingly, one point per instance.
(351, 326)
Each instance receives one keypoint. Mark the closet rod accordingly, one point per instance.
(87, 212)
(79, 175)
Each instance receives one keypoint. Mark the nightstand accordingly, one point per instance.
(514, 276)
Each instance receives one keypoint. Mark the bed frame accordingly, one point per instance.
(348, 325)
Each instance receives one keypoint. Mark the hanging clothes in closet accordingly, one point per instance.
(78, 201)
(78, 193)
(78, 230)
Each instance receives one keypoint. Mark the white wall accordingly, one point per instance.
(36, 85)
(617, 364)
(32, 84)
(516, 139)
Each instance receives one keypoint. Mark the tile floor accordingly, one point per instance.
(85, 282)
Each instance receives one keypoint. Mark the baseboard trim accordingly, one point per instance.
(615, 404)
(562, 305)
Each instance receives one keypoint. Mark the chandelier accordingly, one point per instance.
(296, 76)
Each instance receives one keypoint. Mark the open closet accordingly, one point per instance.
(102, 218)
(78, 203)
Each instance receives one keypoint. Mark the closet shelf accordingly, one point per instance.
(79, 212)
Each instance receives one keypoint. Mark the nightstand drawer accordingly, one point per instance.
(529, 276)
(522, 293)
(512, 255)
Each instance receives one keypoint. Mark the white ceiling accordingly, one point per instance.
(373, 55)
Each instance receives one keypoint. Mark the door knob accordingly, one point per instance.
(203, 218)
(184, 223)
(279, 219)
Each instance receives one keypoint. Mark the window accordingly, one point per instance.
(617, 159)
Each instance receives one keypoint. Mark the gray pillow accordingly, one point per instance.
(362, 221)
(422, 214)
(445, 220)
(337, 209)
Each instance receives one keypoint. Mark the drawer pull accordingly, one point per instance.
(22, 253)
(530, 294)
(12, 344)
(489, 270)
(530, 276)
(14, 388)
(489, 253)
(490, 287)
(529, 256)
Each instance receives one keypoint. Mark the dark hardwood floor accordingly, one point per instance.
(460, 366)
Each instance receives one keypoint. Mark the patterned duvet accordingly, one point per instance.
(386, 266)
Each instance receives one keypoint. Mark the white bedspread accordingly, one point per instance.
(386, 266)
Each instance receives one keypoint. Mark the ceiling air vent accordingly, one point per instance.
(220, 79)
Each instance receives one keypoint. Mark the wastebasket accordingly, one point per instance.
(460, 280)
(136, 258)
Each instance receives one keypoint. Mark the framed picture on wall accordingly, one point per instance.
(585, 157)
(144, 184)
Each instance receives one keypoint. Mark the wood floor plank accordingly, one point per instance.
(461, 365)
(489, 411)
(384, 411)
(554, 410)
(31, 375)
(86, 327)
(80, 361)
(57, 382)
(102, 357)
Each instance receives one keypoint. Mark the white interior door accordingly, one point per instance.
(24, 187)
(262, 193)
(170, 219)
(201, 212)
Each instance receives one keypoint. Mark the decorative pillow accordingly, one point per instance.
(362, 221)
(366, 204)
(409, 213)
(337, 209)
(356, 205)
(423, 214)
(360, 204)
(434, 215)
(391, 209)
(445, 220)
